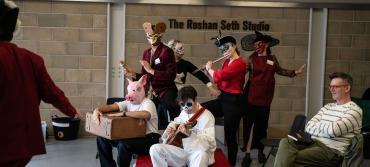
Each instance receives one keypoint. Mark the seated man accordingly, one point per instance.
(332, 130)
(138, 106)
(198, 148)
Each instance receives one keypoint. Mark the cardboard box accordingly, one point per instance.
(115, 128)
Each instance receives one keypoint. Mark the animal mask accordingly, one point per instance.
(154, 32)
(136, 90)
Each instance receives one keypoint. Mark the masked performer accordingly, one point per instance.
(184, 67)
(262, 66)
(159, 63)
(198, 148)
(230, 81)
(24, 82)
(137, 106)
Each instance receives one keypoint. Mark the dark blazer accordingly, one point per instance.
(164, 65)
(24, 82)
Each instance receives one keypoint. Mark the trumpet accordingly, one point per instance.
(214, 61)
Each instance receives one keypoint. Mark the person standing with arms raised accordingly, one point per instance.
(259, 90)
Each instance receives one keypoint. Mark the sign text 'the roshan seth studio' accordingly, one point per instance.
(222, 25)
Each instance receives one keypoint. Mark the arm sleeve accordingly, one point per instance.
(229, 72)
(282, 71)
(49, 92)
(349, 122)
(122, 105)
(204, 138)
(312, 125)
(191, 68)
(149, 106)
(172, 124)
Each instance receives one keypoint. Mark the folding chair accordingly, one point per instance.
(274, 135)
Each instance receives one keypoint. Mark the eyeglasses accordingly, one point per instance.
(336, 86)
(189, 104)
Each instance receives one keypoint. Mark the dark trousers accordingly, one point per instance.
(228, 106)
(16, 163)
(125, 147)
(259, 116)
(166, 104)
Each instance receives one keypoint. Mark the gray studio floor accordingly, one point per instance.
(81, 153)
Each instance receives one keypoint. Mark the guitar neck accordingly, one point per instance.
(196, 115)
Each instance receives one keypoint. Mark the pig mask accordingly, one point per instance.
(136, 90)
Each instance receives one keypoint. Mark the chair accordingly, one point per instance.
(365, 106)
(274, 144)
(273, 140)
(354, 155)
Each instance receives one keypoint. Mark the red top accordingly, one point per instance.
(24, 82)
(164, 65)
(262, 78)
(230, 78)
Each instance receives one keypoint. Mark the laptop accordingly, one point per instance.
(297, 131)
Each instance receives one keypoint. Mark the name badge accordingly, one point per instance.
(157, 61)
(269, 62)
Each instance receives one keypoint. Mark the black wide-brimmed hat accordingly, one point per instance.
(247, 42)
(8, 20)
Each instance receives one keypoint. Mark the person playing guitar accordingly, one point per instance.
(193, 129)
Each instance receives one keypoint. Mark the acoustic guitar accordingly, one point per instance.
(176, 138)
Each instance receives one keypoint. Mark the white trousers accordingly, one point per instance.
(164, 155)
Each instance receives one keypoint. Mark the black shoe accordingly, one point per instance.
(246, 161)
(243, 149)
(261, 157)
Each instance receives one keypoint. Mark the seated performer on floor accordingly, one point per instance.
(200, 143)
(138, 106)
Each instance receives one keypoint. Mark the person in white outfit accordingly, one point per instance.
(200, 145)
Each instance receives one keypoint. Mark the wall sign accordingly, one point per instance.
(245, 25)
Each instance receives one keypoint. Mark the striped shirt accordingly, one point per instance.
(335, 125)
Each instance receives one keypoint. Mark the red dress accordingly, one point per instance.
(24, 82)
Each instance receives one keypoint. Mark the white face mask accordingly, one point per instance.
(187, 106)
(152, 38)
(179, 49)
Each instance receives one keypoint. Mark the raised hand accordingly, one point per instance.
(300, 69)
(147, 67)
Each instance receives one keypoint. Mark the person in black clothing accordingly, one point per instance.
(184, 67)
